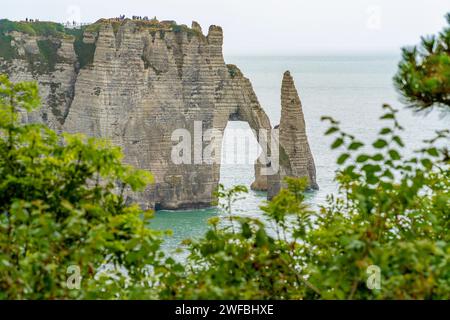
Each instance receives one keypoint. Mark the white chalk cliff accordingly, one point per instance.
(135, 82)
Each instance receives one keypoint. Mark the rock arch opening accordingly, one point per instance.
(240, 150)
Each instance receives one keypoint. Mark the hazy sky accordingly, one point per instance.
(268, 26)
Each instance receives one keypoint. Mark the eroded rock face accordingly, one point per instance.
(143, 84)
(56, 79)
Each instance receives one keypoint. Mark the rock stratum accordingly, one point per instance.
(135, 82)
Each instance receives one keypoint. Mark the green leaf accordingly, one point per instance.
(328, 118)
(372, 179)
(337, 143)
(380, 143)
(261, 238)
(342, 158)
(387, 173)
(398, 140)
(246, 230)
(433, 152)
(378, 157)
(427, 163)
(385, 131)
(355, 145)
(370, 168)
(387, 116)
(362, 158)
(394, 154)
(331, 130)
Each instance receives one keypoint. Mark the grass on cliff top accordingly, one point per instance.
(47, 58)
(152, 25)
(45, 28)
(84, 51)
(47, 48)
(38, 28)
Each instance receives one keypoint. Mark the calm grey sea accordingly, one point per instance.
(350, 88)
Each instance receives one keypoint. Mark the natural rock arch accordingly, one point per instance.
(143, 81)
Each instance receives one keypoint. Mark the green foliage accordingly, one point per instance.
(84, 51)
(7, 51)
(95, 27)
(48, 28)
(153, 26)
(63, 204)
(48, 53)
(233, 70)
(423, 76)
(236, 263)
(391, 212)
(9, 26)
(177, 29)
(37, 28)
(46, 60)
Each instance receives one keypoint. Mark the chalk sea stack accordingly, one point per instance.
(292, 136)
(135, 82)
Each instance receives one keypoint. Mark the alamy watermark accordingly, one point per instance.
(374, 277)
(374, 16)
(73, 281)
(200, 146)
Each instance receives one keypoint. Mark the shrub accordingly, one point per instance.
(63, 209)
(423, 76)
(391, 215)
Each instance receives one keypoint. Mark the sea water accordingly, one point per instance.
(350, 88)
